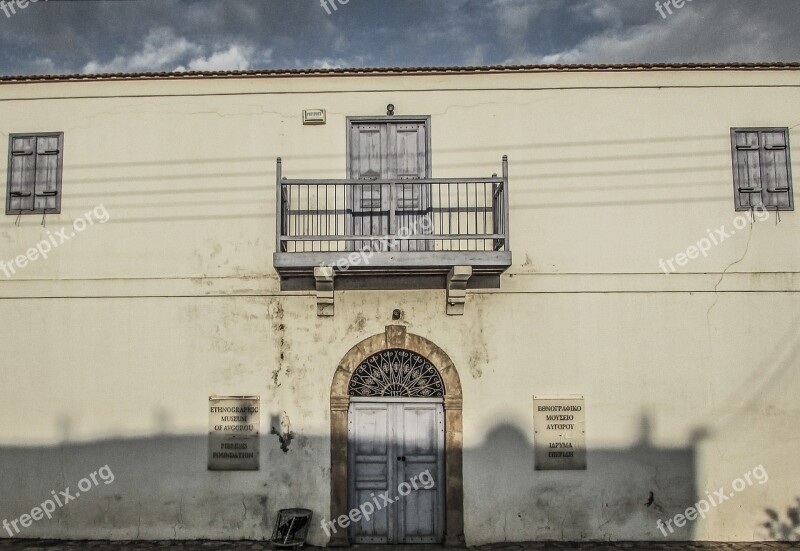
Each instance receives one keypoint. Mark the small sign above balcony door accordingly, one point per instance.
(389, 150)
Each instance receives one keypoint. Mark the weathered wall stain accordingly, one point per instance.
(285, 439)
(284, 434)
(276, 314)
(358, 325)
(479, 355)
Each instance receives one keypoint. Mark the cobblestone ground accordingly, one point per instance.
(47, 545)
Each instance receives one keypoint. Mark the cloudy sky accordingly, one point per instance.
(95, 36)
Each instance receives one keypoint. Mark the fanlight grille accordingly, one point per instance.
(396, 373)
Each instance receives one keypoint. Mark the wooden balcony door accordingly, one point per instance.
(397, 150)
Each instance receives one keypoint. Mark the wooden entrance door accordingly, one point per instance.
(397, 150)
(396, 447)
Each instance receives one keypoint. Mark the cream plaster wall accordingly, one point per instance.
(111, 347)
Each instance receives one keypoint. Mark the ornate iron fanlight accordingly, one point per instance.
(396, 373)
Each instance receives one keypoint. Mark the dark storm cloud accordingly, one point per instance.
(63, 36)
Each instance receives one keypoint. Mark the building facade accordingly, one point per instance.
(400, 269)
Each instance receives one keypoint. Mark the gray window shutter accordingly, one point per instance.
(47, 186)
(761, 168)
(747, 169)
(22, 174)
(775, 167)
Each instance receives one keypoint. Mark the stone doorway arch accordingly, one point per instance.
(396, 336)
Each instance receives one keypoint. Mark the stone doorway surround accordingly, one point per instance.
(396, 336)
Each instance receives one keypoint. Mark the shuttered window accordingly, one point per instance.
(762, 175)
(34, 173)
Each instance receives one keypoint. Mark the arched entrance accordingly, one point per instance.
(346, 388)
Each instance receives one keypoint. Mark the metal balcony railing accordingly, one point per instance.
(427, 216)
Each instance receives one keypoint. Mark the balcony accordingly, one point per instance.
(388, 228)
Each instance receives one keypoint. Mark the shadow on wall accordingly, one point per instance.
(621, 495)
(784, 530)
(161, 489)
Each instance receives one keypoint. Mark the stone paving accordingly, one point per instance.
(51, 545)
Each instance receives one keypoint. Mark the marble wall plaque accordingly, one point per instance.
(559, 427)
(233, 427)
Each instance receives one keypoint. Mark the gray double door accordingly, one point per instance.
(396, 447)
(389, 150)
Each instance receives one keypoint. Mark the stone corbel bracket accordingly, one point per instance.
(324, 277)
(457, 289)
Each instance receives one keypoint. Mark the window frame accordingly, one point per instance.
(737, 195)
(59, 171)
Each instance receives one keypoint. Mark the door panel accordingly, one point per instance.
(369, 156)
(371, 469)
(409, 162)
(408, 151)
(398, 447)
(368, 204)
(422, 446)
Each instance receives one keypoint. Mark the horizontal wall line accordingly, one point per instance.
(398, 91)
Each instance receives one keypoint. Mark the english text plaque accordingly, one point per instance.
(233, 427)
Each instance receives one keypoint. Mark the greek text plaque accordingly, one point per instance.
(559, 427)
